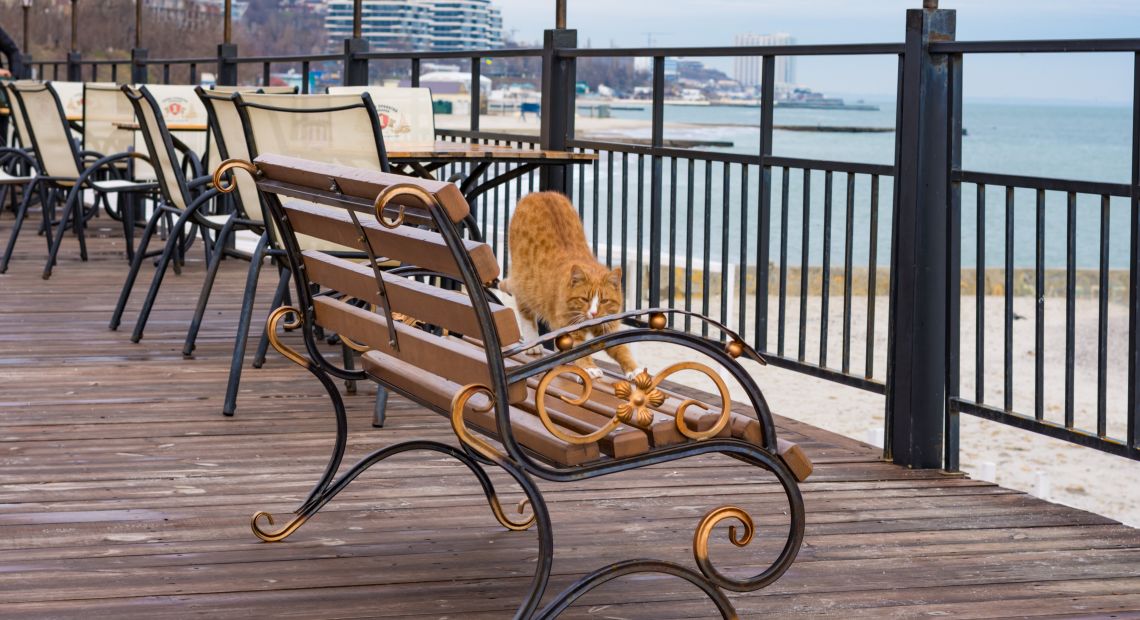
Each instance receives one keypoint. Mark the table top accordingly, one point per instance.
(460, 151)
(134, 126)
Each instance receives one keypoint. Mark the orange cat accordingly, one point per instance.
(555, 278)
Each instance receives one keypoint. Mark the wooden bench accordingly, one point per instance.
(433, 331)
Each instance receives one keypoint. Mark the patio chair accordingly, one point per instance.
(17, 163)
(333, 128)
(62, 170)
(180, 202)
(406, 114)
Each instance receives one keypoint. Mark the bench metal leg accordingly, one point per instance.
(380, 408)
(230, 403)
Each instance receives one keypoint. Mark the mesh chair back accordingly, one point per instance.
(339, 129)
(159, 144)
(47, 129)
(269, 90)
(406, 115)
(104, 105)
(16, 115)
(180, 105)
(225, 122)
(71, 96)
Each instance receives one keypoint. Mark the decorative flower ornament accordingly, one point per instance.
(640, 397)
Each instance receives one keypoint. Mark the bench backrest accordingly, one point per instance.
(406, 115)
(439, 249)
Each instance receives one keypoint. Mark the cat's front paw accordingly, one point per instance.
(536, 350)
(595, 373)
(631, 375)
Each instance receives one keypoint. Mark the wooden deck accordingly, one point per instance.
(125, 493)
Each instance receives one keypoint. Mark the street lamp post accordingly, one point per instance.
(138, 52)
(227, 51)
(73, 56)
(355, 71)
(26, 53)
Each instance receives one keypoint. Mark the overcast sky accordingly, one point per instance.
(1084, 77)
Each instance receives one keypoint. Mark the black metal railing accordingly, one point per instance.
(774, 246)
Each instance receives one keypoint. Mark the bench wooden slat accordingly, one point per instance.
(451, 310)
(621, 442)
(410, 245)
(437, 392)
(362, 184)
(453, 359)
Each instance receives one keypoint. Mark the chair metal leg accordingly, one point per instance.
(207, 286)
(349, 364)
(21, 212)
(168, 254)
(55, 243)
(280, 296)
(230, 404)
(136, 264)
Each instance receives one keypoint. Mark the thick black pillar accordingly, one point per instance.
(917, 363)
(557, 123)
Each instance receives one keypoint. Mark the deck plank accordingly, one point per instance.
(125, 493)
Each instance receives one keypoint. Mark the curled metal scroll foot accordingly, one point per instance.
(740, 538)
(505, 521)
(280, 534)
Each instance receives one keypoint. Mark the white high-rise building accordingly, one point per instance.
(747, 69)
(419, 25)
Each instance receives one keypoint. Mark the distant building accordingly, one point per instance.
(192, 14)
(747, 69)
(419, 25)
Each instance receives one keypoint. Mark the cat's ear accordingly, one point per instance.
(614, 277)
(577, 275)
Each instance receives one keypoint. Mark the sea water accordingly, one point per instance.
(1078, 142)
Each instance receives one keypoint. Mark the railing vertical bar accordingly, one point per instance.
(624, 220)
(305, 73)
(806, 226)
(872, 276)
(639, 229)
(980, 299)
(1070, 304)
(707, 256)
(115, 73)
(415, 77)
(1009, 239)
(495, 213)
(476, 92)
(725, 208)
(193, 73)
(94, 72)
(266, 77)
(610, 209)
(581, 194)
(657, 138)
(742, 268)
(690, 224)
(166, 73)
(1102, 324)
(596, 167)
(825, 282)
(1133, 431)
(672, 232)
(764, 194)
(848, 241)
(1039, 313)
(783, 307)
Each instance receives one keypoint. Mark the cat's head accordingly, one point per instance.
(592, 291)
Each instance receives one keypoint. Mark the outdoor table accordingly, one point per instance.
(424, 160)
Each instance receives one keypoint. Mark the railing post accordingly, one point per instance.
(917, 362)
(657, 140)
(227, 65)
(355, 67)
(557, 120)
(138, 65)
(74, 58)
